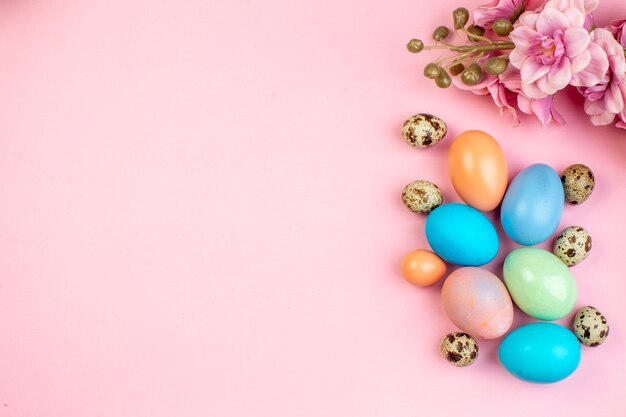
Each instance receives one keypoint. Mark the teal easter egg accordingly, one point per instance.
(461, 235)
(540, 284)
(532, 206)
(540, 352)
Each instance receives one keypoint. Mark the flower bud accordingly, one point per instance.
(432, 70)
(456, 69)
(440, 33)
(496, 65)
(460, 17)
(415, 46)
(502, 27)
(443, 80)
(472, 75)
(476, 30)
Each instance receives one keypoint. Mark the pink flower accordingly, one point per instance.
(552, 49)
(606, 99)
(542, 108)
(488, 13)
(491, 85)
(616, 27)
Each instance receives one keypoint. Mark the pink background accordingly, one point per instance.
(200, 215)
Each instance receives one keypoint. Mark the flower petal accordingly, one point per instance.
(532, 70)
(522, 37)
(517, 57)
(613, 99)
(590, 5)
(511, 79)
(576, 41)
(533, 90)
(551, 20)
(595, 71)
(541, 109)
(528, 19)
(603, 119)
(580, 62)
(575, 17)
(594, 108)
(560, 74)
(544, 85)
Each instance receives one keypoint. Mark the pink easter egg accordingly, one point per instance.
(477, 302)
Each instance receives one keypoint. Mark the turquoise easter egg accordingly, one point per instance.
(532, 206)
(540, 284)
(540, 352)
(461, 235)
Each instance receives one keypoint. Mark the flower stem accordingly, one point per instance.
(496, 46)
(478, 37)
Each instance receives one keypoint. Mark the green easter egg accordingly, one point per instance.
(540, 284)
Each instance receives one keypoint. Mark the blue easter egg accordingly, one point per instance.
(461, 235)
(540, 352)
(532, 206)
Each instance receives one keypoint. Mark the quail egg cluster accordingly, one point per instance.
(538, 282)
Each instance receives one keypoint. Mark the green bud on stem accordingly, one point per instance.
(432, 70)
(440, 33)
(415, 46)
(496, 65)
(443, 80)
(502, 27)
(472, 75)
(460, 17)
(456, 69)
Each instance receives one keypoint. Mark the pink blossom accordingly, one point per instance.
(542, 108)
(491, 85)
(607, 99)
(552, 49)
(616, 27)
(486, 14)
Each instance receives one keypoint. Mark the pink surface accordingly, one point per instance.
(200, 215)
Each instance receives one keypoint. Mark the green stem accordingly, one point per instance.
(477, 37)
(496, 46)
(456, 58)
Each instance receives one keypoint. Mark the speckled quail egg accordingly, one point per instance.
(573, 245)
(590, 326)
(422, 196)
(460, 349)
(423, 130)
(578, 182)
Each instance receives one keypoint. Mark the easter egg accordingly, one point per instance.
(578, 183)
(423, 130)
(590, 326)
(540, 284)
(461, 235)
(478, 169)
(421, 267)
(532, 206)
(540, 352)
(422, 196)
(477, 302)
(460, 349)
(573, 245)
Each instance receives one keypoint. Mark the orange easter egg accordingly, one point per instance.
(478, 169)
(422, 267)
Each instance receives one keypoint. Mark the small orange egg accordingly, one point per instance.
(422, 267)
(478, 169)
